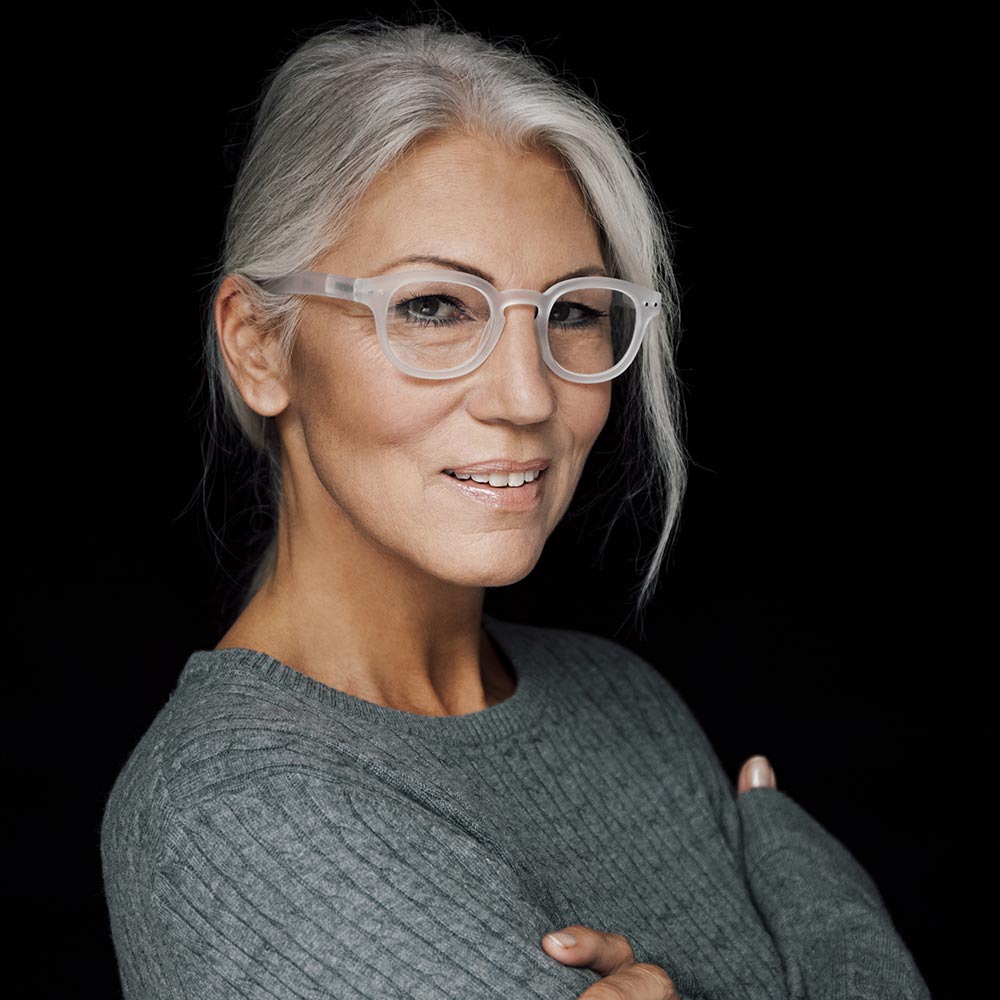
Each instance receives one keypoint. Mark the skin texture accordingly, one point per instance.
(382, 562)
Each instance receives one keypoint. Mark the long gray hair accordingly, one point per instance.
(347, 104)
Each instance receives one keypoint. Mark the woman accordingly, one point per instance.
(439, 261)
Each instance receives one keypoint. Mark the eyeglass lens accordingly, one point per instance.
(438, 325)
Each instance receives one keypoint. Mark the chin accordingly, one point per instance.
(500, 570)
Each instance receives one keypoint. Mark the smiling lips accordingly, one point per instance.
(498, 478)
(500, 465)
(501, 471)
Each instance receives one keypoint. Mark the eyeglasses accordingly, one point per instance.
(441, 324)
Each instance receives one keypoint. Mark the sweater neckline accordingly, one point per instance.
(527, 659)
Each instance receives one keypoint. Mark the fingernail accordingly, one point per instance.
(562, 938)
(761, 773)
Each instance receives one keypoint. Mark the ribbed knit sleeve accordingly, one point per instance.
(824, 912)
(303, 887)
(836, 938)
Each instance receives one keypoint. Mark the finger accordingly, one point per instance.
(756, 773)
(638, 982)
(602, 951)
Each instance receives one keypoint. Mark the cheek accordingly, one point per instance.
(586, 409)
(350, 396)
(369, 428)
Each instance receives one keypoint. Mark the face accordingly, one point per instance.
(366, 445)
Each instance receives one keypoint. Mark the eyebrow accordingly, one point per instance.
(594, 270)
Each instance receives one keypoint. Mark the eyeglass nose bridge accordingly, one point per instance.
(518, 297)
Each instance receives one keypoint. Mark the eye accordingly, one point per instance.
(573, 313)
(433, 309)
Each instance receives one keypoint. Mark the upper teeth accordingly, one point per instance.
(499, 478)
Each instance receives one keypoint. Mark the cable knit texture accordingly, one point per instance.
(273, 837)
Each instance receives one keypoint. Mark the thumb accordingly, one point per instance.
(756, 773)
(603, 951)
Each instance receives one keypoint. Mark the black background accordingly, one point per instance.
(823, 184)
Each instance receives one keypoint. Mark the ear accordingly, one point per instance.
(249, 351)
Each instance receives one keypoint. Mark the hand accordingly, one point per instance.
(611, 956)
(756, 773)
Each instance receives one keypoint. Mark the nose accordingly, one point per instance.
(514, 383)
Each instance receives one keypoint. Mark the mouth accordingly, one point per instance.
(498, 480)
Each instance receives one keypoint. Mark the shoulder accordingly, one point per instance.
(214, 736)
(135, 803)
(224, 730)
(218, 783)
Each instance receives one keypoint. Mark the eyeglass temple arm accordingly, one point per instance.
(334, 286)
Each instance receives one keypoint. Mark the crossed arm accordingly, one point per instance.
(255, 899)
(826, 916)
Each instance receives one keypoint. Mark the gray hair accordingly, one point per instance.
(347, 104)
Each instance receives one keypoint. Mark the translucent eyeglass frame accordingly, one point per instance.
(376, 293)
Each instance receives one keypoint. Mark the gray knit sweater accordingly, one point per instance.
(273, 837)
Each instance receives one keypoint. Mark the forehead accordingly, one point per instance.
(471, 186)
